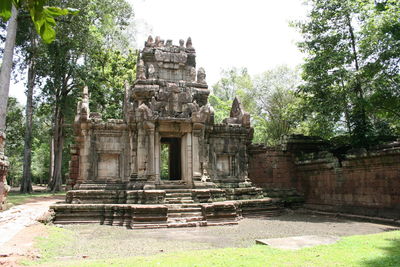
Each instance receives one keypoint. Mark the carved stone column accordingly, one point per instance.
(141, 153)
(157, 152)
(196, 150)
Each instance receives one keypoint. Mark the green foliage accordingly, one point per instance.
(233, 82)
(164, 161)
(105, 75)
(351, 73)
(15, 139)
(275, 108)
(221, 108)
(42, 16)
(269, 98)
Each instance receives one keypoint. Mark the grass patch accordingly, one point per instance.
(49, 246)
(18, 198)
(381, 249)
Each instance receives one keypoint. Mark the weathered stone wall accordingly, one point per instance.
(367, 183)
(271, 168)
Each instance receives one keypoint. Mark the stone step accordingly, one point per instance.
(178, 190)
(173, 186)
(184, 214)
(187, 224)
(178, 198)
(178, 194)
(184, 210)
(179, 201)
(186, 219)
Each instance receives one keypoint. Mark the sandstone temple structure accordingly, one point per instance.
(166, 163)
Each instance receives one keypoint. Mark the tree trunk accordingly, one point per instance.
(359, 112)
(51, 165)
(26, 184)
(58, 137)
(6, 67)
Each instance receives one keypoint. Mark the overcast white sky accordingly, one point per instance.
(226, 33)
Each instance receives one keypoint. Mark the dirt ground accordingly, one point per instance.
(98, 241)
(18, 229)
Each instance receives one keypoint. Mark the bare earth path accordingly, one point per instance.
(18, 227)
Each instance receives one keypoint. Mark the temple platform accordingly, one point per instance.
(164, 208)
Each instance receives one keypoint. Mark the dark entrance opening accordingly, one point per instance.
(170, 158)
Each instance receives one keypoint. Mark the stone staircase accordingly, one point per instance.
(185, 215)
(165, 185)
(178, 196)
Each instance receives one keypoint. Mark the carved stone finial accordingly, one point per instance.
(157, 41)
(149, 41)
(238, 115)
(189, 43)
(236, 109)
(181, 42)
(151, 72)
(140, 75)
(201, 76)
(192, 74)
(83, 106)
(169, 43)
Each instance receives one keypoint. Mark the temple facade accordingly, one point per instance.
(166, 163)
(166, 108)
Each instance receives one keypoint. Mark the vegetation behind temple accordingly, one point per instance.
(346, 91)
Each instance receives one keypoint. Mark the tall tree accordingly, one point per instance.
(66, 62)
(31, 55)
(343, 63)
(275, 110)
(15, 140)
(269, 98)
(6, 67)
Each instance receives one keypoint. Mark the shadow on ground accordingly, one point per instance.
(392, 257)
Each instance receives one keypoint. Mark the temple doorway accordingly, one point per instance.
(170, 168)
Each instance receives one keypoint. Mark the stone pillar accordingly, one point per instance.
(141, 153)
(157, 147)
(151, 155)
(4, 164)
(196, 157)
(188, 148)
(133, 150)
(86, 170)
(184, 158)
(73, 167)
(196, 150)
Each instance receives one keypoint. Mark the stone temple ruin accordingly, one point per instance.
(116, 171)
